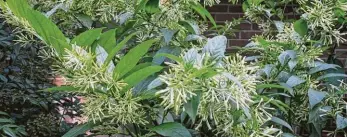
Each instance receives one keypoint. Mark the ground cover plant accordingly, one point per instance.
(148, 67)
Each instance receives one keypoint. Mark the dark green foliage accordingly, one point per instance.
(23, 73)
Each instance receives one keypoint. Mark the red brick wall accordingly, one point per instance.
(225, 11)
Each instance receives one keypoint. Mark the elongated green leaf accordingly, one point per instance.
(137, 68)
(164, 116)
(152, 6)
(323, 67)
(168, 50)
(62, 88)
(8, 131)
(170, 56)
(203, 13)
(191, 107)
(140, 6)
(341, 122)
(3, 78)
(117, 48)
(108, 40)
(189, 26)
(336, 81)
(6, 120)
(201, 72)
(331, 75)
(261, 86)
(301, 27)
(141, 74)
(130, 60)
(87, 38)
(172, 129)
(147, 94)
(79, 130)
(154, 83)
(3, 113)
(44, 27)
(280, 105)
(315, 97)
(281, 122)
(86, 20)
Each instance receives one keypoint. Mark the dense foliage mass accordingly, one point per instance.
(146, 67)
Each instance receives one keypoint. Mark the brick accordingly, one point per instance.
(235, 9)
(218, 8)
(237, 42)
(225, 2)
(288, 9)
(291, 16)
(249, 34)
(235, 35)
(245, 26)
(226, 17)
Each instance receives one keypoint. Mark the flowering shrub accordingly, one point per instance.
(146, 69)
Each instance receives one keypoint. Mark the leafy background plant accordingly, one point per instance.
(23, 74)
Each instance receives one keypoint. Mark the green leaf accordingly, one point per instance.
(108, 40)
(281, 122)
(130, 60)
(172, 129)
(87, 38)
(101, 56)
(191, 107)
(270, 86)
(3, 113)
(245, 6)
(154, 83)
(62, 88)
(216, 46)
(22, 131)
(164, 116)
(166, 49)
(285, 55)
(203, 12)
(315, 97)
(201, 72)
(340, 70)
(6, 120)
(152, 6)
(85, 20)
(323, 67)
(45, 28)
(294, 81)
(280, 105)
(301, 27)
(137, 68)
(289, 89)
(329, 75)
(140, 75)
(167, 34)
(189, 26)
(147, 94)
(341, 122)
(118, 47)
(141, 6)
(3, 78)
(79, 130)
(8, 131)
(170, 56)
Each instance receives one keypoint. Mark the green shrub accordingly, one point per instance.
(152, 72)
